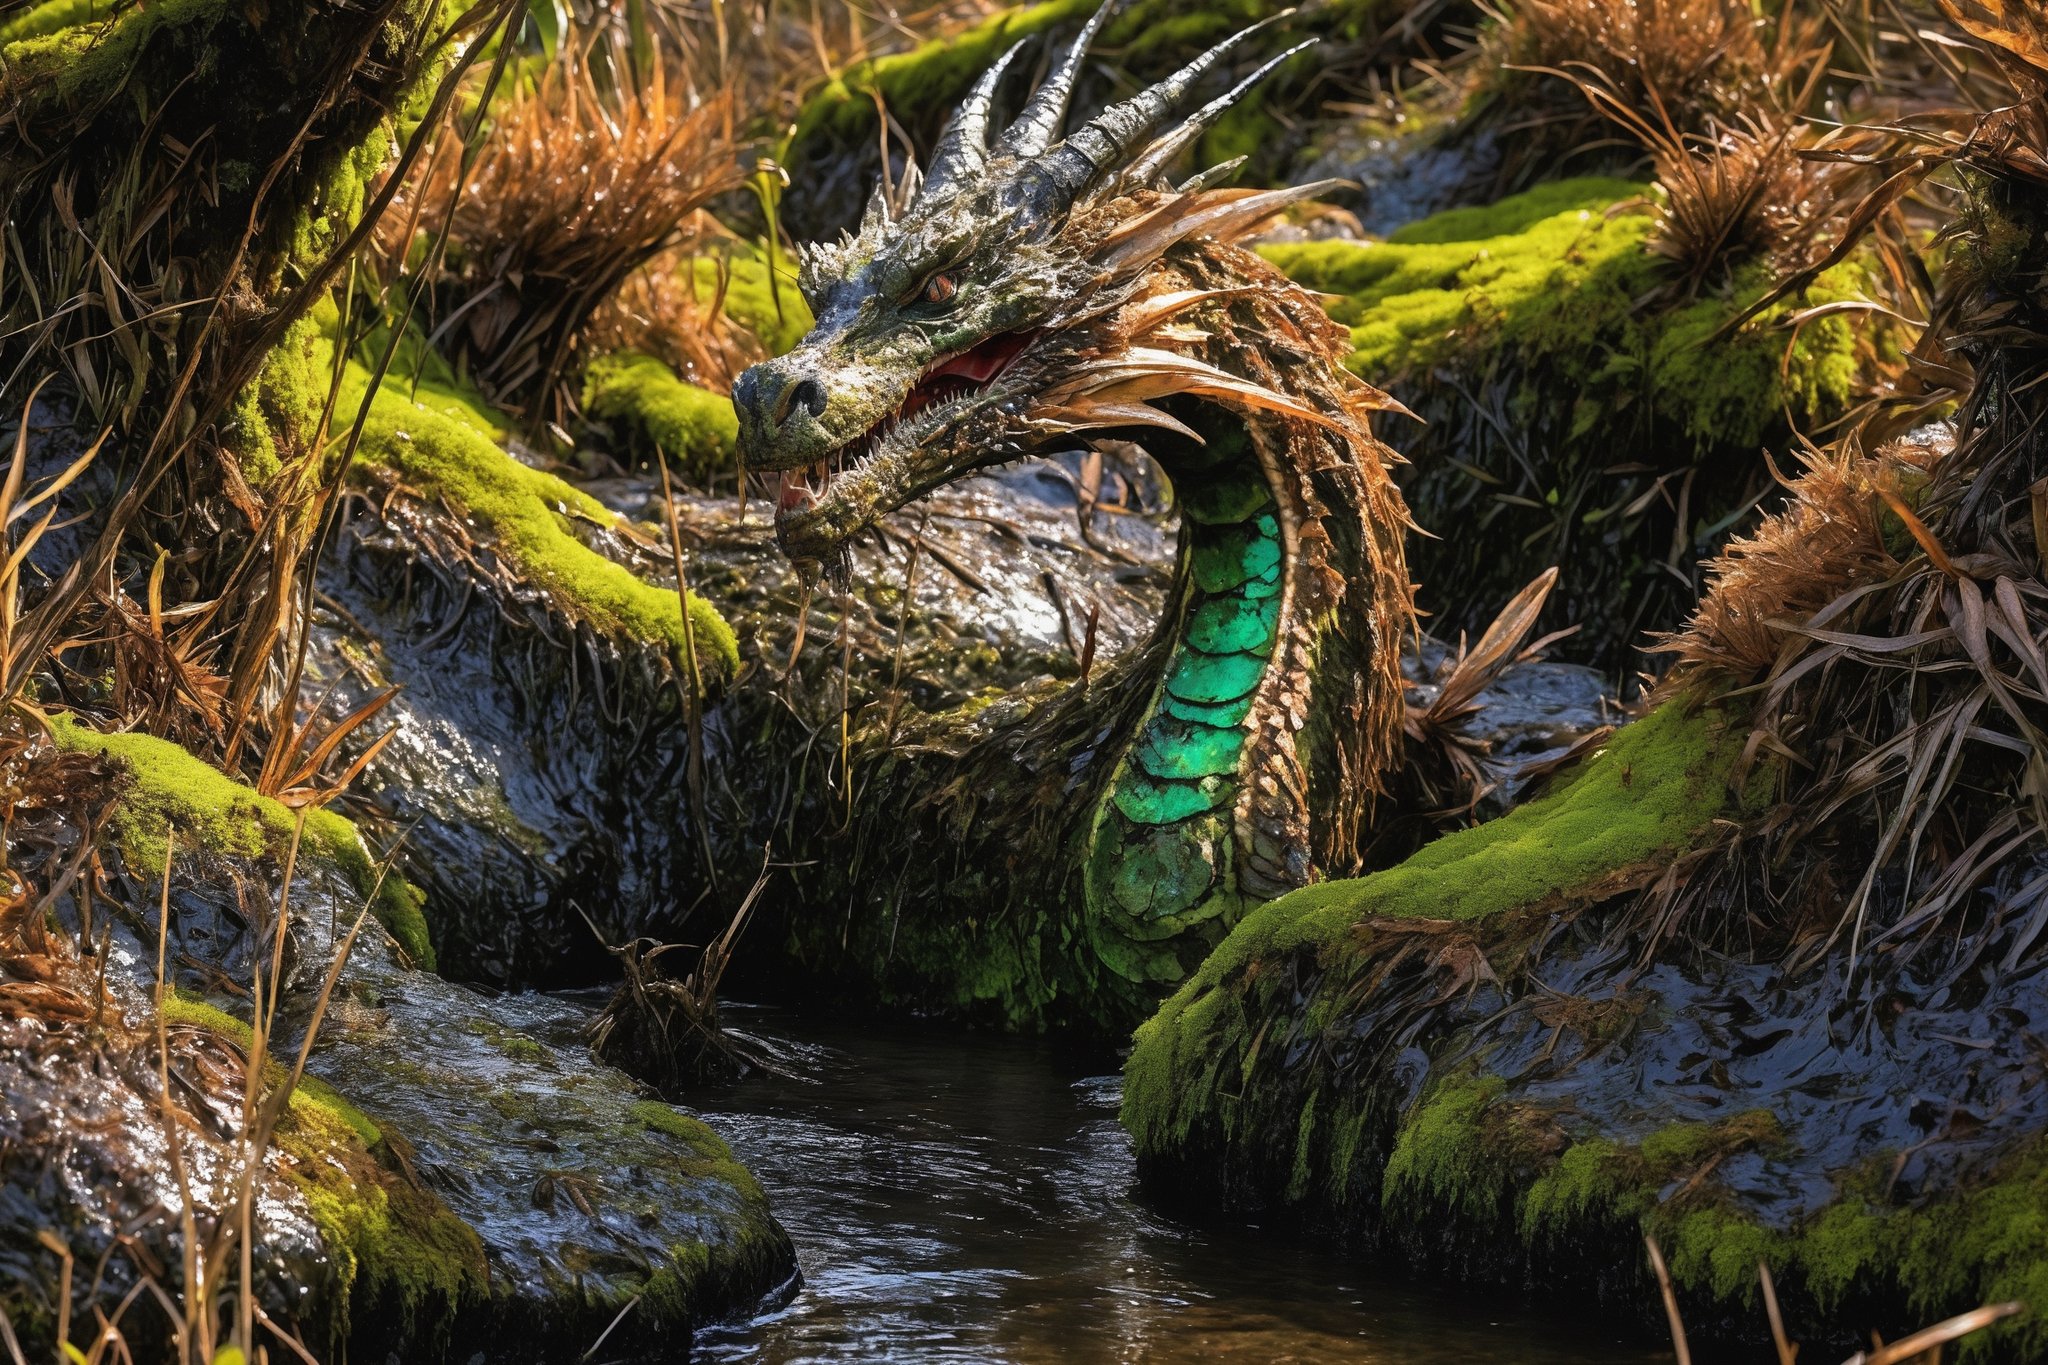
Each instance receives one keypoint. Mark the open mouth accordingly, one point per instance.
(969, 372)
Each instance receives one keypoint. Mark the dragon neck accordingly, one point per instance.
(1178, 845)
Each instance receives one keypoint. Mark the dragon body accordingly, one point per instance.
(1030, 291)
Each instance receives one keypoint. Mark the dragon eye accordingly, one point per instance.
(939, 288)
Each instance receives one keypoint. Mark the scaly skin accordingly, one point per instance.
(1029, 290)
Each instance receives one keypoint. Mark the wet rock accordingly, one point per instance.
(490, 1184)
(1405, 171)
(1523, 723)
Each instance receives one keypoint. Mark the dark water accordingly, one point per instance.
(964, 1198)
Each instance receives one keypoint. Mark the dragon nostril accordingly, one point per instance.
(811, 394)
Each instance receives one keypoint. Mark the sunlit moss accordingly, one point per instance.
(53, 16)
(765, 302)
(172, 796)
(528, 514)
(693, 428)
(1560, 276)
(1646, 794)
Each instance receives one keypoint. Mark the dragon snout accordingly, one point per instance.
(780, 413)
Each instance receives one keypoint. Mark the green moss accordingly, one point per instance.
(710, 1276)
(1518, 213)
(233, 61)
(274, 419)
(53, 16)
(1647, 793)
(170, 790)
(75, 67)
(694, 428)
(325, 218)
(528, 515)
(441, 440)
(1442, 1155)
(1558, 276)
(1590, 1176)
(765, 303)
(391, 1241)
(930, 77)
(420, 373)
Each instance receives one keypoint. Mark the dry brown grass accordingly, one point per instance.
(1705, 62)
(1694, 83)
(572, 191)
(1742, 194)
(1827, 540)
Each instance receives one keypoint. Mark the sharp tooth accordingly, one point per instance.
(794, 492)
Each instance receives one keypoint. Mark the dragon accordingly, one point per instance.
(1026, 291)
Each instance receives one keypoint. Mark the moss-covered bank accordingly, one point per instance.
(658, 415)
(1578, 409)
(431, 437)
(1504, 1060)
(1638, 801)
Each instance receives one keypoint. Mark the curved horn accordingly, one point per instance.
(962, 148)
(1039, 121)
(1100, 145)
(1154, 158)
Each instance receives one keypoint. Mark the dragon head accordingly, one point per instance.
(992, 304)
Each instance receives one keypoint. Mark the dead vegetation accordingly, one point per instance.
(1885, 629)
(1704, 63)
(576, 186)
(1923, 1347)
(193, 1109)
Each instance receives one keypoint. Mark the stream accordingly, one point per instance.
(962, 1197)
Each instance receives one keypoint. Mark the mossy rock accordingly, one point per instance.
(659, 415)
(530, 518)
(437, 439)
(395, 1247)
(1562, 375)
(173, 799)
(1499, 1060)
(1644, 796)
(53, 16)
(114, 73)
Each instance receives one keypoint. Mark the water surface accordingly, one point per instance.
(957, 1197)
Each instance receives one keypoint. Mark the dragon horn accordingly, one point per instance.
(962, 149)
(1052, 181)
(1154, 158)
(1035, 126)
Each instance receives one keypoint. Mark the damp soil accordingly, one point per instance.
(964, 1197)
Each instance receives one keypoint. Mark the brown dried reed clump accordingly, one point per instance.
(573, 191)
(1704, 62)
(1715, 95)
(1885, 634)
(1827, 540)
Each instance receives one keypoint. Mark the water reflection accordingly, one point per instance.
(961, 1198)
